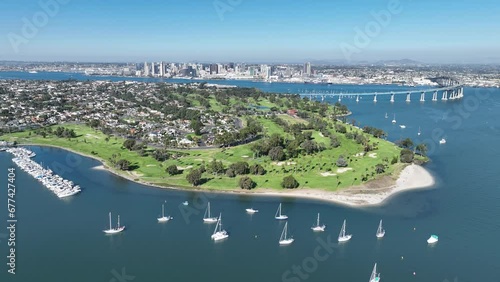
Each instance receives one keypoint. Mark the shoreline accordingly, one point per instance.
(373, 193)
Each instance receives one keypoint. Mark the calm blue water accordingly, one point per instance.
(62, 240)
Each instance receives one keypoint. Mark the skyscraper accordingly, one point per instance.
(307, 68)
(162, 69)
(153, 69)
(146, 69)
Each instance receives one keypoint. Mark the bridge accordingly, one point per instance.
(451, 92)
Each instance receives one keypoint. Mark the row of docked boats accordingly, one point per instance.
(61, 187)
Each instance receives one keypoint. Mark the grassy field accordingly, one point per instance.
(314, 171)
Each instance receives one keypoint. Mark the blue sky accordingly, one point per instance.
(249, 30)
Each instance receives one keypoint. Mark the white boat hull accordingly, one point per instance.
(220, 236)
(432, 240)
(281, 217)
(345, 238)
(210, 220)
(164, 219)
(318, 228)
(251, 211)
(286, 242)
(114, 230)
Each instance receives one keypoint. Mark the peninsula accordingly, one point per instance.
(195, 136)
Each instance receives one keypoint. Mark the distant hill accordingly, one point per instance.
(402, 62)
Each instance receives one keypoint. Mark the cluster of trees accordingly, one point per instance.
(60, 132)
(240, 168)
(118, 163)
(409, 149)
(252, 129)
(278, 148)
(376, 132)
(289, 182)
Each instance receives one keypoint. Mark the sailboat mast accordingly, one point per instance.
(118, 221)
(208, 209)
(163, 210)
(110, 220)
(286, 229)
(317, 224)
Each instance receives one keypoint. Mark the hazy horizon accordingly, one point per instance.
(250, 31)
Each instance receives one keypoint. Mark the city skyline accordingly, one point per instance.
(249, 31)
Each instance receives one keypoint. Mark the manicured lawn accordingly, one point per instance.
(314, 171)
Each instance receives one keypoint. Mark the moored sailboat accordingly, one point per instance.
(318, 227)
(251, 210)
(219, 233)
(164, 218)
(380, 230)
(284, 240)
(375, 277)
(207, 217)
(278, 214)
(343, 237)
(115, 230)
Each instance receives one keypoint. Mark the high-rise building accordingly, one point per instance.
(307, 68)
(146, 69)
(162, 69)
(214, 69)
(153, 68)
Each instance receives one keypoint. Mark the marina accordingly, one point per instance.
(61, 187)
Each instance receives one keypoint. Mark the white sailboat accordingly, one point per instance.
(343, 237)
(251, 210)
(317, 227)
(375, 277)
(112, 230)
(164, 218)
(442, 141)
(284, 240)
(207, 218)
(185, 203)
(219, 233)
(380, 230)
(394, 120)
(280, 216)
(419, 132)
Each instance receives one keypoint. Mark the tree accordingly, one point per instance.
(172, 170)
(406, 143)
(380, 168)
(129, 144)
(160, 155)
(334, 141)
(230, 173)
(240, 168)
(406, 156)
(216, 167)
(421, 149)
(289, 182)
(194, 177)
(196, 125)
(247, 183)
(341, 162)
(309, 146)
(123, 164)
(277, 154)
(257, 169)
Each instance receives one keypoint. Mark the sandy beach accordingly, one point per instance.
(375, 193)
(369, 194)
